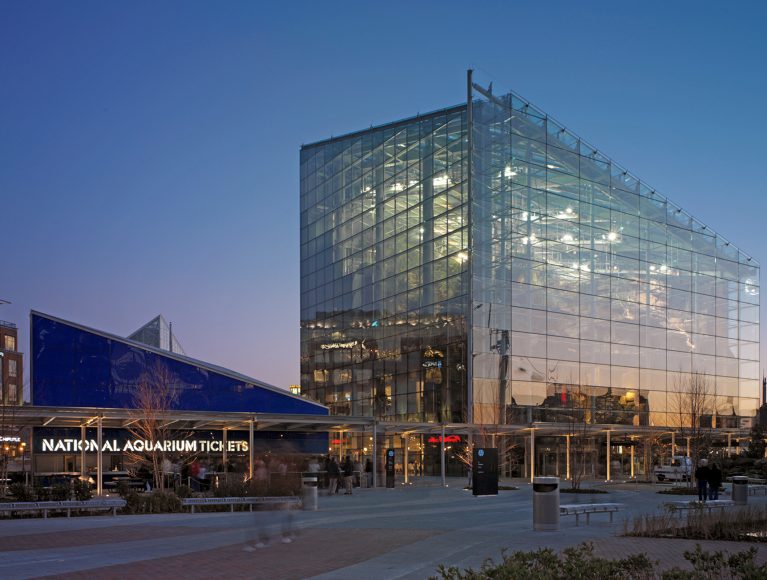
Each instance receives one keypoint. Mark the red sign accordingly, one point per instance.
(335, 442)
(448, 439)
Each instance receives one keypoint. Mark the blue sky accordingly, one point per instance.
(149, 151)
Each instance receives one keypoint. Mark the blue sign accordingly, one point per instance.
(481, 452)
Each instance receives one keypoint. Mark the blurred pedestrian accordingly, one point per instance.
(334, 475)
(348, 471)
(702, 475)
(714, 481)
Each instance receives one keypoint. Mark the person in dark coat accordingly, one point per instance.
(334, 475)
(348, 473)
(714, 481)
(702, 475)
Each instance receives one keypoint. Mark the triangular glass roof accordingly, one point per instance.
(158, 333)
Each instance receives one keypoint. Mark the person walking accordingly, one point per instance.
(348, 470)
(714, 481)
(702, 475)
(369, 472)
(334, 475)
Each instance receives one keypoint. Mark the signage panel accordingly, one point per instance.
(390, 468)
(484, 475)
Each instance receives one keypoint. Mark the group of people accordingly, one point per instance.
(709, 479)
(341, 474)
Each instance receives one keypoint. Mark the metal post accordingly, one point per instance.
(688, 447)
(532, 454)
(405, 466)
(567, 464)
(83, 472)
(470, 321)
(632, 460)
(251, 450)
(608, 456)
(729, 443)
(375, 456)
(224, 446)
(442, 455)
(99, 459)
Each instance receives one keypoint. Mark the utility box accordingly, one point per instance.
(546, 504)
(740, 489)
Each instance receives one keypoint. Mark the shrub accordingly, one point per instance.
(123, 488)
(60, 492)
(546, 564)
(164, 502)
(184, 491)
(21, 492)
(82, 490)
(580, 562)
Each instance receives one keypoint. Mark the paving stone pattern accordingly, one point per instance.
(402, 533)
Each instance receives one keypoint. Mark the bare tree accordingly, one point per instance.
(152, 401)
(692, 404)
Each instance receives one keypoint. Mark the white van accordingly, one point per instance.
(679, 468)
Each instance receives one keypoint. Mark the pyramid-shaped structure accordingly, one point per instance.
(159, 334)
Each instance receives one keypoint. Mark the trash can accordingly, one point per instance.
(309, 489)
(740, 489)
(546, 504)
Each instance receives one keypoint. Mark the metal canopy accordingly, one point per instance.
(111, 418)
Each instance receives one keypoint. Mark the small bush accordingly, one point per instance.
(21, 492)
(156, 502)
(184, 491)
(123, 488)
(82, 491)
(546, 564)
(60, 493)
(580, 562)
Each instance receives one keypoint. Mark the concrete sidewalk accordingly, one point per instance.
(400, 533)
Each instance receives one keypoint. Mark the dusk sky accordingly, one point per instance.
(149, 150)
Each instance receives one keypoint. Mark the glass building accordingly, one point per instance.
(482, 264)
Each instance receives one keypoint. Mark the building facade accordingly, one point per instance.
(482, 264)
(76, 367)
(11, 365)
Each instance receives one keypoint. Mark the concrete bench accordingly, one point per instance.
(682, 506)
(193, 502)
(578, 509)
(45, 506)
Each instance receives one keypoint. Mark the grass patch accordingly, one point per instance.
(680, 491)
(743, 524)
(500, 488)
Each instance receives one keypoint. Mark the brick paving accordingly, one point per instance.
(95, 536)
(312, 552)
(403, 533)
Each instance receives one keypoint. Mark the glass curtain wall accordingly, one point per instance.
(595, 298)
(384, 274)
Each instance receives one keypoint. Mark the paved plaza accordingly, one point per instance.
(399, 533)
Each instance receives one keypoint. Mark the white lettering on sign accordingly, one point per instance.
(143, 446)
